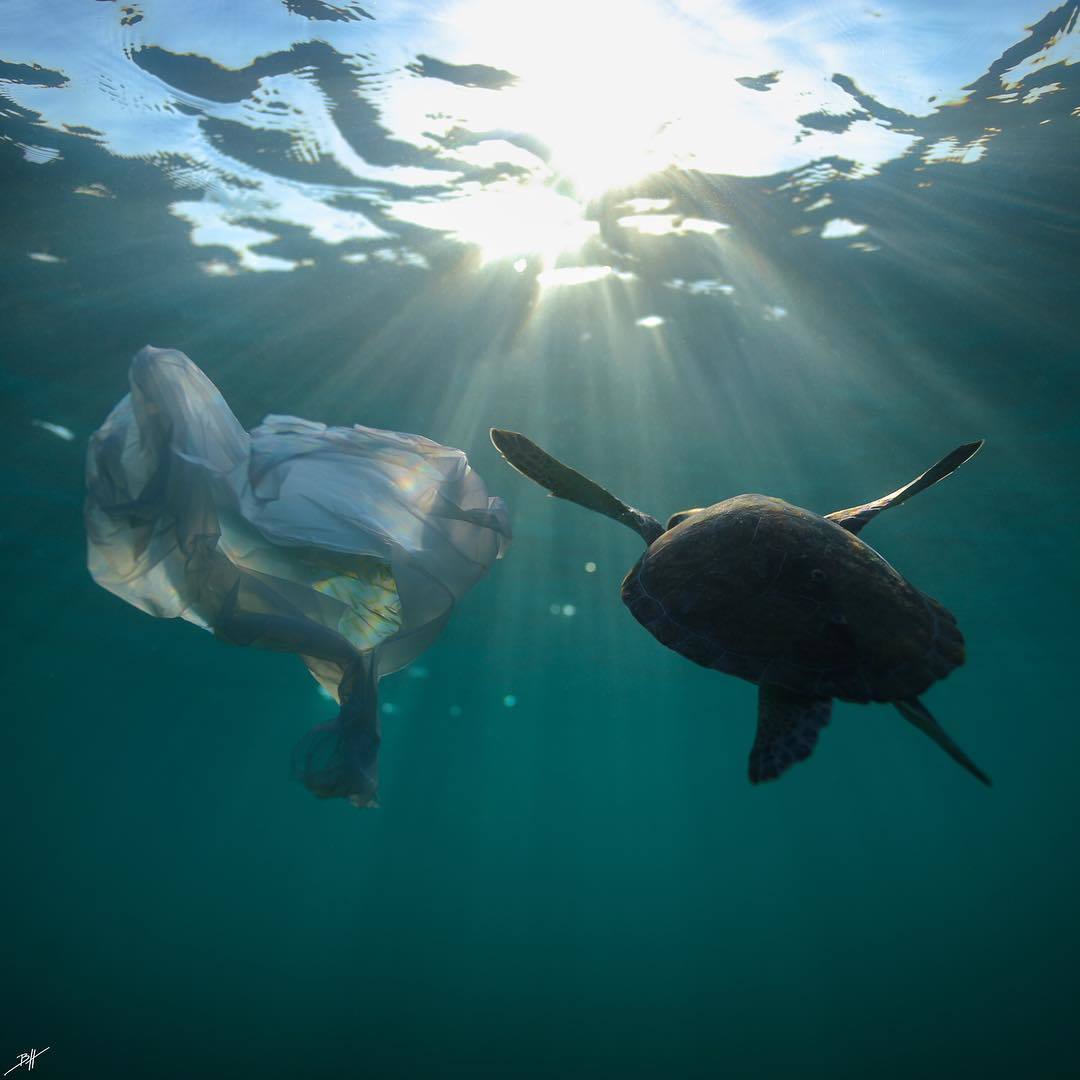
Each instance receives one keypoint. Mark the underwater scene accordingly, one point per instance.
(733, 759)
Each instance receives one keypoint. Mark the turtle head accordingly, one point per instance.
(681, 516)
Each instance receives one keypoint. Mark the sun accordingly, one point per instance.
(605, 93)
(601, 84)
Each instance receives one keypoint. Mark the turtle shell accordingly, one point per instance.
(775, 594)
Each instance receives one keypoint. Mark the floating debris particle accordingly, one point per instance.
(218, 268)
(58, 430)
(95, 190)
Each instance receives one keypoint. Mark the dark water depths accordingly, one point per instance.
(570, 875)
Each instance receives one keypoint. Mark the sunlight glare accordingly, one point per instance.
(599, 84)
(506, 219)
(597, 97)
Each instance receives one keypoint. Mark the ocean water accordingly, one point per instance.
(694, 249)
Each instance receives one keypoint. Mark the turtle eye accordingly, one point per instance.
(681, 516)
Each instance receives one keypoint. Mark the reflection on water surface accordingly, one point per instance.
(558, 132)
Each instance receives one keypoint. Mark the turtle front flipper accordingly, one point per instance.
(856, 517)
(788, 726)
(566, 483)
(914, 710)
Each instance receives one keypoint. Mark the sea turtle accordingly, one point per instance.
(784, 598)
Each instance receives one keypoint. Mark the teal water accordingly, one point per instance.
(570, 875)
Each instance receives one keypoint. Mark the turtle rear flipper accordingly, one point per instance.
(914, 710)
(854, 518)
(566, 483)
(788, 726)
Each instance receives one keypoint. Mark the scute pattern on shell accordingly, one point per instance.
(772, 593)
